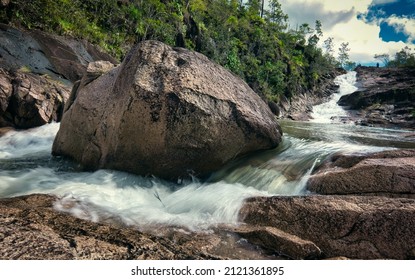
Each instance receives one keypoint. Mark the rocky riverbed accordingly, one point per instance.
(349, 215)
(357, 205)
(385, 98)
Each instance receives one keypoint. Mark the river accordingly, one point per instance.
(26, 167)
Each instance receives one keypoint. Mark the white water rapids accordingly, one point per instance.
(27, 167)
(330, 111)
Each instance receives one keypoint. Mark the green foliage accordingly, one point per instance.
(384, 58)
(344, 54)
(251, 42)
(403, 58)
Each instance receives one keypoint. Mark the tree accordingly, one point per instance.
(403, 58)
(384, 58)
(343, 56)
(329, 46)
(262, 8)
(276, 16)
(318, 33)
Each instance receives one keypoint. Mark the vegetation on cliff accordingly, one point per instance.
(252, 42)
(403, 58)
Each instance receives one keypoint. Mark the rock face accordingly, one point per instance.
(36, 73)
(28, 100)
(60, 58)
(359, 227)
(386, 97)
(165, 112)
(390, 173)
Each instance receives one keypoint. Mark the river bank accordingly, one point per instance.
(385, 97)
(252, 208)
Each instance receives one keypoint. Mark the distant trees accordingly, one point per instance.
(343, 56)
(403, 58)
(384, 58)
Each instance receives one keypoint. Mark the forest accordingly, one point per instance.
(251, 40)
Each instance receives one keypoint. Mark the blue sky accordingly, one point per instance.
(370, 26)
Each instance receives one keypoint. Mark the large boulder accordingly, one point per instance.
(166, 112)
(387, 173)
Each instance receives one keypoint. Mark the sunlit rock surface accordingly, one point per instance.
(168, 112)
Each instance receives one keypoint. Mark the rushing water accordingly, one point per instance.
(26, 167)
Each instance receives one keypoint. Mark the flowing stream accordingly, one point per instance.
(26, 167)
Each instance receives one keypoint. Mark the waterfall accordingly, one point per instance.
(331, 112)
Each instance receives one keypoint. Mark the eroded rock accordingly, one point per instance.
(28, 100)
(279, 242)
(32, 229)
(358, 227)
(385, 97)
(166, 112)
(388, 173)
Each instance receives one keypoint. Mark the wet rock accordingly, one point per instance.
(166, 112)
(279, 242)
(385, 97)
(32, 229)
(389, 173)
(4, 130)
(357, 227)
(29, 100)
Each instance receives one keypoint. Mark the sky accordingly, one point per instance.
(370, 26)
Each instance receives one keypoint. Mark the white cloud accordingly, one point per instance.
(381, 2)
(403, 24)
(339, 19)
(308, 11)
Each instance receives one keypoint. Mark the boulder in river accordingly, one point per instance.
(387, 173)
(167, 112)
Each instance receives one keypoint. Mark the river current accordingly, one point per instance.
(27, 167)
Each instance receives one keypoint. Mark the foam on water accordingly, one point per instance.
(16, 144)
(114, 195)
(329, 111)
(131, 199)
